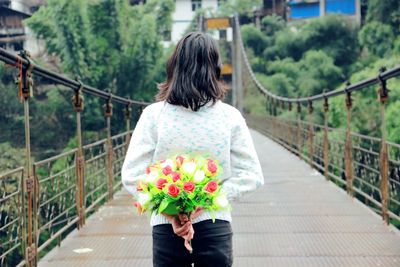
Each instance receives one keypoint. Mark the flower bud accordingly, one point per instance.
(221, 201)
(199, 176)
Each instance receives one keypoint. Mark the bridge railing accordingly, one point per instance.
(41, 202)
(366, 167)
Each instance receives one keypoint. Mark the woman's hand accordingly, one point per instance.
(181, 227)
(196, 213)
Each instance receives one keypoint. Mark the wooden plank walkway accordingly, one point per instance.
(297, 219)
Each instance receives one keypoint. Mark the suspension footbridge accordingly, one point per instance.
(331, 198)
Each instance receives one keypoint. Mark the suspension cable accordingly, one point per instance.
(394, 72)
(12, 59)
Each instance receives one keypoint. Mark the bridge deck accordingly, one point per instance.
(297, 219)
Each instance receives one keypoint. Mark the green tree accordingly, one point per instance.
(106, 43)
(64, 26)
(254, 39)
(334, 36)
(243, 7)
(140, 59)
(377, 37)
(386, 12)
(272, 24)
(288, 43)
(318, 73)
(109, 45)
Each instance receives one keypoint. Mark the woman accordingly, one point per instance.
(190, 117)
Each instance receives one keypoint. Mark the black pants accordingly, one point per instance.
(212, 246)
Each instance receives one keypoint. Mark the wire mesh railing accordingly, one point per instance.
(367, 167)
(42, 201)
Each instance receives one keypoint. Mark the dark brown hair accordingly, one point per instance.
(193, 73)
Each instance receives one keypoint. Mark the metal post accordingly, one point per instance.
(77, 101)
(358, 12)
(326, 140)
(257, 15)
(348, 155)
(233, 60)
(291, 131)
(322, 8)
(25, 86)
(237, 93)
(299, 142)
(268, 107)
(200, 21)
(274, 108)
(110, 172)
(383, 95)
(311, 135)
(128, 112)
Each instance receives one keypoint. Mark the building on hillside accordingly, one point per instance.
(271, 7)
(14, 35)
(185, 11)
(305, 9)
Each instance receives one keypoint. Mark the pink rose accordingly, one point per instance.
(189, 186)
(211, 186)
(175, 176)
(173, 190)
(161, 183)
(167, 170)
(179, 161)
(139, 207)
(212, 166)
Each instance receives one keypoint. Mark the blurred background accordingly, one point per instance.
(296, 48)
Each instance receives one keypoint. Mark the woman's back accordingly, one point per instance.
(181, 130)
(190, 117)
(217, 130)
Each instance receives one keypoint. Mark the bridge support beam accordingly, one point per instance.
(348, 150)
(110, 172)
(311, 135)
(326, 140)
(383, 95)
(29, 189)
(299, 133)
(128, 115)
(79, 159)
(237, 82)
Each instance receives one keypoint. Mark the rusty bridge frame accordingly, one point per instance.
(44, 200)
(366, 167)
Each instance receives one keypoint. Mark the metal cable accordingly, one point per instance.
(383, 76)
(57, 78)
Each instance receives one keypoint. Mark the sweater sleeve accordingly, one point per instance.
(246, 172)
(140, 151)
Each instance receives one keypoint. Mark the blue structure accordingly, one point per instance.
(302, 9)
(347, 7)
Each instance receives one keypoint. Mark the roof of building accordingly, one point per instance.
(13, 11)
(32, 3)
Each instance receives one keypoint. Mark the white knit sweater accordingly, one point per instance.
(218, 130)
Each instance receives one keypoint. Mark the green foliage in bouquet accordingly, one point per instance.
(180, 184)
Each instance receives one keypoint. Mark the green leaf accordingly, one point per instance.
(171, 209)
(212, 213)
(163, 205)
(155, 191)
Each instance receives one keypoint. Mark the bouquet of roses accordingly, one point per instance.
(180, 186)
